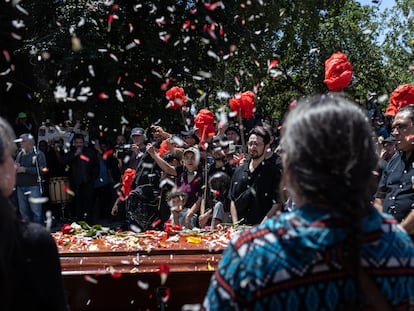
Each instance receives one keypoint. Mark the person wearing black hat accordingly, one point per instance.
(190, 138)
(388, 148)
(22, 126)
(233, 134)
(138, 138)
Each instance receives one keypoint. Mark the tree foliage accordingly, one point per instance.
(118, 59)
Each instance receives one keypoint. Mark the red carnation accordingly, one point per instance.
(177, 97)
(204, 121)
(400, 97)
(243, 102)
(338, 72)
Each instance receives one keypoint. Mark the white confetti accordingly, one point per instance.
(91, 70)
(119, 96)
(38, 200)
(21, 9)
(142, 285)
(213, 55)
(191, 307)
(124, 120)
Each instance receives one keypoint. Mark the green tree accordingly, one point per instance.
(119, 59)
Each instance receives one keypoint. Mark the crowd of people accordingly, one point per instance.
(80, 177)
(330, 200)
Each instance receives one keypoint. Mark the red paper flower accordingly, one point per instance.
(244, 103)
(204, 121)
(177, 97)
(163, 148)
(127, 180)
(400, 97)
(338, 72)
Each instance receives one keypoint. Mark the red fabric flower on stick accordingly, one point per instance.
(127, 180)
(163, 148)
(243, 103)
(338, 72)
(204, 121)
(176, 97)
(402, 96)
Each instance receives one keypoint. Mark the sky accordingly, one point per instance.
(383, 4)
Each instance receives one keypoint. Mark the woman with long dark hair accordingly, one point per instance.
(334, 251)
(30, 273)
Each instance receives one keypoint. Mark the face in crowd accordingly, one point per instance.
(403, 129)
(232, 136)
(256, 146)
(138, 140)
(191, 161)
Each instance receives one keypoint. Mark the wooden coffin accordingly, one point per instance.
(118, 273)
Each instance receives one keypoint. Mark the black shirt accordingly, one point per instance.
(396, 186)
(265, 179)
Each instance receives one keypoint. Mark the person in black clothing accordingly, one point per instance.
(254, 188)
(84, 169)
(30, 272)
(395, 193)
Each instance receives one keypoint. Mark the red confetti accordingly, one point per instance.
(163, 271)
(167, 295)
(212, 6)
(103, 96)
(292, 104)
(221, 31)
(107, 153)
(128, 93)
(156, 223)
(116, 274)
(84, 158)
(165, 85)
(6, 55)
(110, 18)
(186, 24)
(273, 64)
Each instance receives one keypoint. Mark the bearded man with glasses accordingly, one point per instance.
(254, 188)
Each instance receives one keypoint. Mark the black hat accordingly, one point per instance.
(389, 139)
(233, 128)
